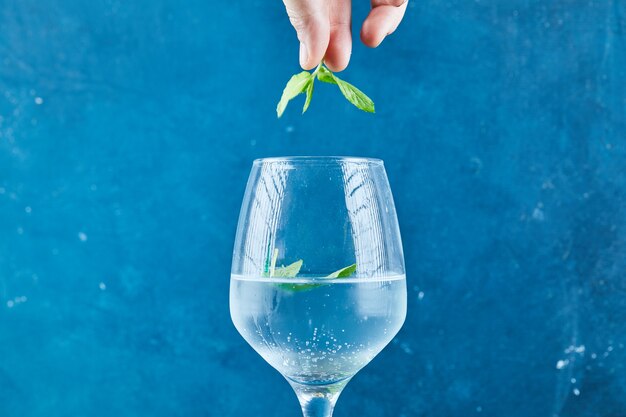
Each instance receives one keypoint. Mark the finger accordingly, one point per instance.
(310, 19)
(340, 45)
(382, 20)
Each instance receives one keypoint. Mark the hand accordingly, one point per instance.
(324, 30)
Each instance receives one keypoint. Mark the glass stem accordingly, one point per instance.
(318, 400)
(317, 407)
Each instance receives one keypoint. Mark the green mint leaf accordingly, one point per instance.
(325, 75)
(292, 270)
(309, 94)
(298, 287)
(355, 96)
(289, 271)
(343, 272)
(350, 92)
(297, 84)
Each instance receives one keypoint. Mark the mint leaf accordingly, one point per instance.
(292, 270)
(343, 272)
(309, 94)
(355, 96)
(297, 84)
(350, 92)
(289, 271)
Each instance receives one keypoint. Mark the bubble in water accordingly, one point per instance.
(562, 363)
(576, 349)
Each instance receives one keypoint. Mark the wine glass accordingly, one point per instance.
(318, 283)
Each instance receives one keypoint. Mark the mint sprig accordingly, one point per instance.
(297, 84)
(302, 83)
(292, 271)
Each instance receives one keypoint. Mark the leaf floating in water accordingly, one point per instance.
(292, 270)
(344, 272)
(289, 271)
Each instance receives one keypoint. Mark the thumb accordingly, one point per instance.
(311, 21)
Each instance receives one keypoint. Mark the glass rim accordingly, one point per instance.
(323, 160)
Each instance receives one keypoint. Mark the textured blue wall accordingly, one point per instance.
(127, 129)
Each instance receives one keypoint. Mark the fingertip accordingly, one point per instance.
(307, 67)
(314, 37)
(306, 63)
(336, 66)
(371, 36)
(307, 60)
(339, 50)
(382, 21)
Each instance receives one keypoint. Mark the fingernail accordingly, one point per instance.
(304, 54)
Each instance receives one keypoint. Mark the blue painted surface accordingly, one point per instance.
(126, 134)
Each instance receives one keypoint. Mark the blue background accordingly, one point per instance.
(127, 131)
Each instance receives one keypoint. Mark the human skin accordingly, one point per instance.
(324, 28)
